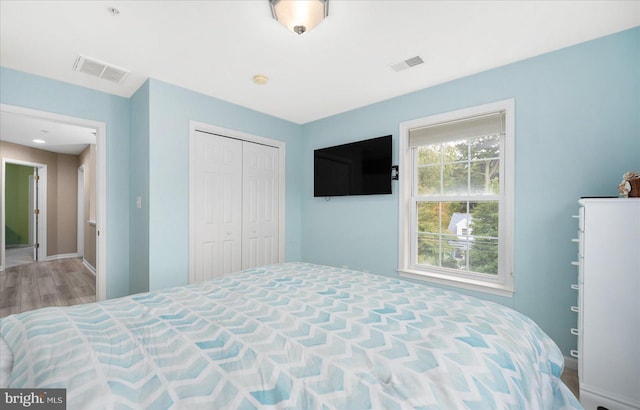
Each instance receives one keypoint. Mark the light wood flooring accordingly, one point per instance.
(62, 282)
(570, 378)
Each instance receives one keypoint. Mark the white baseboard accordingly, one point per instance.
(61, 256)
(89, 266)
(570, 363)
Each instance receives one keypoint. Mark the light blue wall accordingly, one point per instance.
(577, 131)
(171, 108)
(39, 93)
(139, 187)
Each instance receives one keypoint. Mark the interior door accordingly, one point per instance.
(36, 215)
(260, 187)
(218, 206)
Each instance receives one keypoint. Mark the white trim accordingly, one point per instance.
(464, 283)
(33, 200)
(80, 212)
(89, 266)
(61, 256)
(42, 205)
(507, 179)
(101, 184)
(225, 132)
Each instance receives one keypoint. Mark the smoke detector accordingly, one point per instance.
(408, 63)
(99, 69)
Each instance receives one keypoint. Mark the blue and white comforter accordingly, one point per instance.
(290, 336)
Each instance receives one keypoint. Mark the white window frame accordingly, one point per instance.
(502, 285)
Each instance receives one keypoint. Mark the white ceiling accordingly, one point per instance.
(215, 47)
(58, 137)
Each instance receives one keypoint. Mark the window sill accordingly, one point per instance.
(463, 283)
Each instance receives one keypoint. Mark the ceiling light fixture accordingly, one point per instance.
(260, 79)
(39, 141)
(299, 16)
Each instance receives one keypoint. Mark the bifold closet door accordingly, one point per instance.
(218, 206)
(260, 196)
(235, 210)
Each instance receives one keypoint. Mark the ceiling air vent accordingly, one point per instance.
(408, 63)
(99, 69)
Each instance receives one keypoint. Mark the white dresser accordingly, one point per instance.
(608, 303)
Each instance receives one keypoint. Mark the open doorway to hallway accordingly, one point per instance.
(76, 210)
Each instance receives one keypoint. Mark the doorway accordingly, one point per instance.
(25, 231)
(98, 216)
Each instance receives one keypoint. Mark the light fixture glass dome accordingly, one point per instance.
(299, 16)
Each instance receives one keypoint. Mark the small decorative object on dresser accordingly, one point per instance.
(608, 303)
(630, 185)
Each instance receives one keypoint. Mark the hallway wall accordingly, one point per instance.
(62, 185)
(88, 159)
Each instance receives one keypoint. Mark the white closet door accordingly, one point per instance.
(260, 205)
(218, 206)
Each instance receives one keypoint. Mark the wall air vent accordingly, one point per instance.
(408, 63)
(99, 69)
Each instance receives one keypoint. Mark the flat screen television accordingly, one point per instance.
(357, 168)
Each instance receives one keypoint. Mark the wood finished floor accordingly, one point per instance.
(36, 285)
(570, 378)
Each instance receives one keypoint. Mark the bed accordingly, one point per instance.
(293, 335)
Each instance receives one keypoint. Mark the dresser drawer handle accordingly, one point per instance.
(576, 240)
(575, 263)
(575, 354)
(575, 331)
(575, 309)
(575, 287)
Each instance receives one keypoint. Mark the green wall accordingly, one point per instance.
(17, 202)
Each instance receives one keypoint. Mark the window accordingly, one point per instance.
(456, 198)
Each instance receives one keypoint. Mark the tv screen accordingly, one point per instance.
(357, 168)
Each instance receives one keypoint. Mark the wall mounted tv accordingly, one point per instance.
(357, 168)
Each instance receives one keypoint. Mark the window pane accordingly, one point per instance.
(428, 249)
(428, 217)
(454, 217)
(485, 177)
(483, 256)
(485, 147)
(458, 235)
(454, 252)
(455, 151)
(429, 180)
(457, 225)
(455, 179)
(484, 218)
(429, 154)
(444, 236)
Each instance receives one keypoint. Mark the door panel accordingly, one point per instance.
(260, 205)
(217, 208)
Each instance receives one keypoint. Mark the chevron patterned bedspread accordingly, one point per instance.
(290, 336)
